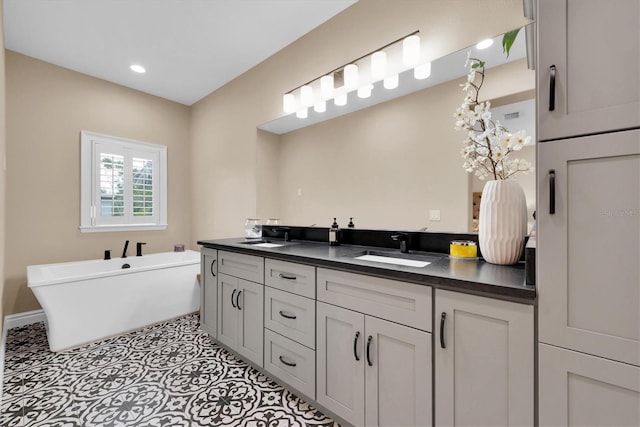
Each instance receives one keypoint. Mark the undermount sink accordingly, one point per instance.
(262, 244)
(395, 258)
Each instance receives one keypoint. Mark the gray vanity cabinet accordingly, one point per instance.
(373, 371)
(588, 63)
(484, 368)
(209, 291)
(240, 304)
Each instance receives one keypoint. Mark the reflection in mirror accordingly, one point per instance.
(395, 164)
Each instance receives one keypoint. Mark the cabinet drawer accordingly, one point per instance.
(281, 353)
(290, 315)
(399, 302)
(246, 267)
(296, 278)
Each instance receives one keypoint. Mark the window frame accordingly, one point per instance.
(90, 194)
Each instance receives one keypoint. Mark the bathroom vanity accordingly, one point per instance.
(376, 342)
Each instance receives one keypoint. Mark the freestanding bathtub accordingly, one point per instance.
(86, 301)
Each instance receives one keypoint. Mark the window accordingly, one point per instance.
(123, 184)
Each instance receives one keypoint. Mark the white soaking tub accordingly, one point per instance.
(85, 301)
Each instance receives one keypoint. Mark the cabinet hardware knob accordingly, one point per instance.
(355, 346)
(292, 364)
(442, 317)
(285, 276)
(287, 316)
(552, 192)
(552, 88)
(238, 300)
(368, 349)
(232, 295)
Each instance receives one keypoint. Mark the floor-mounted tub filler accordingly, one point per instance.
(85, 301)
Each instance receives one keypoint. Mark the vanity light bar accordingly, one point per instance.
(349, 77)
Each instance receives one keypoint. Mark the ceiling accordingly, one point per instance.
(189, 47)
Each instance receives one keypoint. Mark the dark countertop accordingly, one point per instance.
(469, 276)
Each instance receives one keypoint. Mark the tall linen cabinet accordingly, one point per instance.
(588, 212)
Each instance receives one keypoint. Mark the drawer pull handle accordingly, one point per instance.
(233, 294)
(442, 317)
(287, 316)
(212, 263)
(552, 192)
(285, 276)
(368, 349)
(355, 346)
(292, 364)
(552, 88)
(238, 300)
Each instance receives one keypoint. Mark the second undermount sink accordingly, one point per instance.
(395, 258)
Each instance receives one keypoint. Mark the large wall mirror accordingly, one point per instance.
(395, 162)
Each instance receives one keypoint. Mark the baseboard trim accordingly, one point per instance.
(21, 319)
(15, 321)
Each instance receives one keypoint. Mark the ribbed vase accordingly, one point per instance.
(503, 222)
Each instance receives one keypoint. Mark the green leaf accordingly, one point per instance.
(508, 39)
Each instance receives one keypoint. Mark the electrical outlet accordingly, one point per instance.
(434, 215)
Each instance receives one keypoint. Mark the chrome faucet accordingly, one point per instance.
(403, 238)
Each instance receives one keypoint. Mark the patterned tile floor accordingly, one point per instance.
(170, 374)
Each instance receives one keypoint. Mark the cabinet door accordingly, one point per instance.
(595, 48)
(340, 362)
(589, 248)
(397, 374)
(250, 306)
(227, 311)
(577, 389)
(484, 372)
(209, 292)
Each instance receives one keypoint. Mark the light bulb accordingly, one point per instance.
(365, 91)
(378, 65)
(484, 44)
(351, 76)
(326, 86)
(302, 113)
(341, 99)
(289, 103)
(306, 96)
(422, 71)
(320, 107)
(411, 50)
(391, 82)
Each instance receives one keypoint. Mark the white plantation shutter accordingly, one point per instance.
(123, 184)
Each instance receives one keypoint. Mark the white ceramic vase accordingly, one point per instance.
(503, 222)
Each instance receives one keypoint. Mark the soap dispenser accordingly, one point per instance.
(351, 224)
(333, 233)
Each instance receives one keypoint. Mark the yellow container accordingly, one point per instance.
(463, 249)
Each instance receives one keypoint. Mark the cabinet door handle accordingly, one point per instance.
(368, 349)
(288, 316)
(292, 364)
(552, 88)
(285, 276)
(238, 300)
(552, 192)
(355, 346)
(232, 295)
(211, 268)
(442, 317)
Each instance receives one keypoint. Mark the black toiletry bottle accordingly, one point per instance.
(351, 224)
(334, 231)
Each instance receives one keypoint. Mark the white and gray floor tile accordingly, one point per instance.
(170, 375)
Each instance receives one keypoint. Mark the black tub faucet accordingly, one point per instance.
(107, 254)
(139, 248)
(124, 251)
(403, 238)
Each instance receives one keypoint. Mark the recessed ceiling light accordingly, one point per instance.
(484, 44)
(138, 68)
